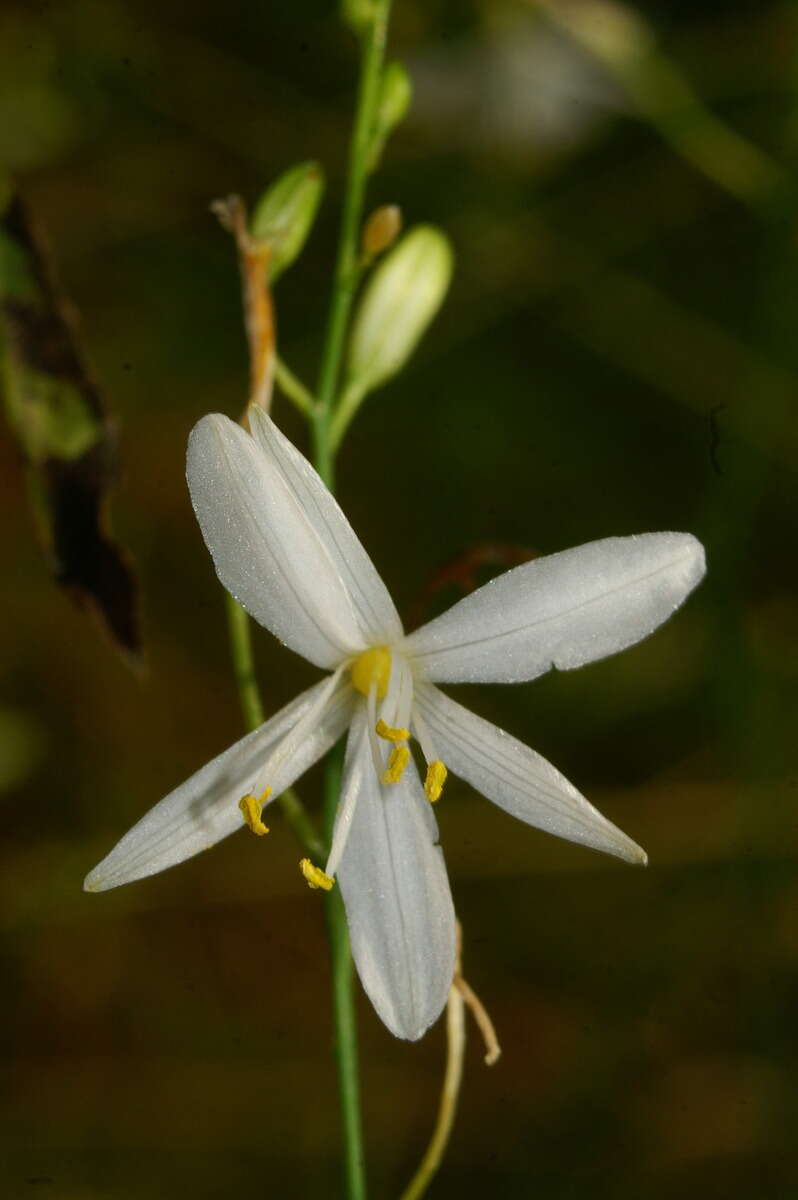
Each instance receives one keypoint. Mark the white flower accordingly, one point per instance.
(284, 549)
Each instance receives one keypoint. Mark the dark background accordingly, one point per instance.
(617, 355)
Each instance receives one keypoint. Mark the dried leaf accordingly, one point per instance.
(68, 443)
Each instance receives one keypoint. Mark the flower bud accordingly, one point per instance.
(357, 14)
(381, 230)
(399, 302)
(285, 213)
(396, 92)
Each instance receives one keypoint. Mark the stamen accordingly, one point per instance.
(397, 761)
(315, 876)
(436, 778)
(436, 770)
(390, 734)
(251, 809)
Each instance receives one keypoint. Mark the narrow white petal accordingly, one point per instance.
(394, 885)
(516, 778)
(266, 550)
(204, 809)
(561, 611)
(377, 617)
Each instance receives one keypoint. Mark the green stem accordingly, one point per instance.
(293, 388)
(244, 670)
(243, 665)
(347, 271)
(352, 397)
(319, 412)
(733, 163)
(345, 1031)
(664, 97)
(347, 266)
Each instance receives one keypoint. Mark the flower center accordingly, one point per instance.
(372, 668)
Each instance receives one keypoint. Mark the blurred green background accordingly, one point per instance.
(617, 355)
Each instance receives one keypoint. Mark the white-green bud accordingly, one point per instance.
(398, 304)
(285, 213)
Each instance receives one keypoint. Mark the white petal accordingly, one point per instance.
(561, 611)
(394, 885)
(377, 617)
(266, 550)
(516, 778)
(204, 809)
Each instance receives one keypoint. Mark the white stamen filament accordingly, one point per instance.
(424, 737)
(371, 721)
(400, 697)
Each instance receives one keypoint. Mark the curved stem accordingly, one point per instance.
(447, 1108)
(293, 387)
(351, 398)
(346, 270)
(664, 97)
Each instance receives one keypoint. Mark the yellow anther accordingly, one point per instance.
(373, 667)
(315, 876)
(390, 734)
(397, 761)
(251, 809)
(436, 778)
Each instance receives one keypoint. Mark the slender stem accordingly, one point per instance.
(244, 671)
(293, 388)
(344, 285)
(346, 270)
(345, 1031)
(665, 98)
(319, 413)
(351, 398)
(243, 665)
(455, 1053)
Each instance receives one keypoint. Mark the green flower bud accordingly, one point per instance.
(399, 302)
(396, 92)
(357, 14)
(285, 213)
